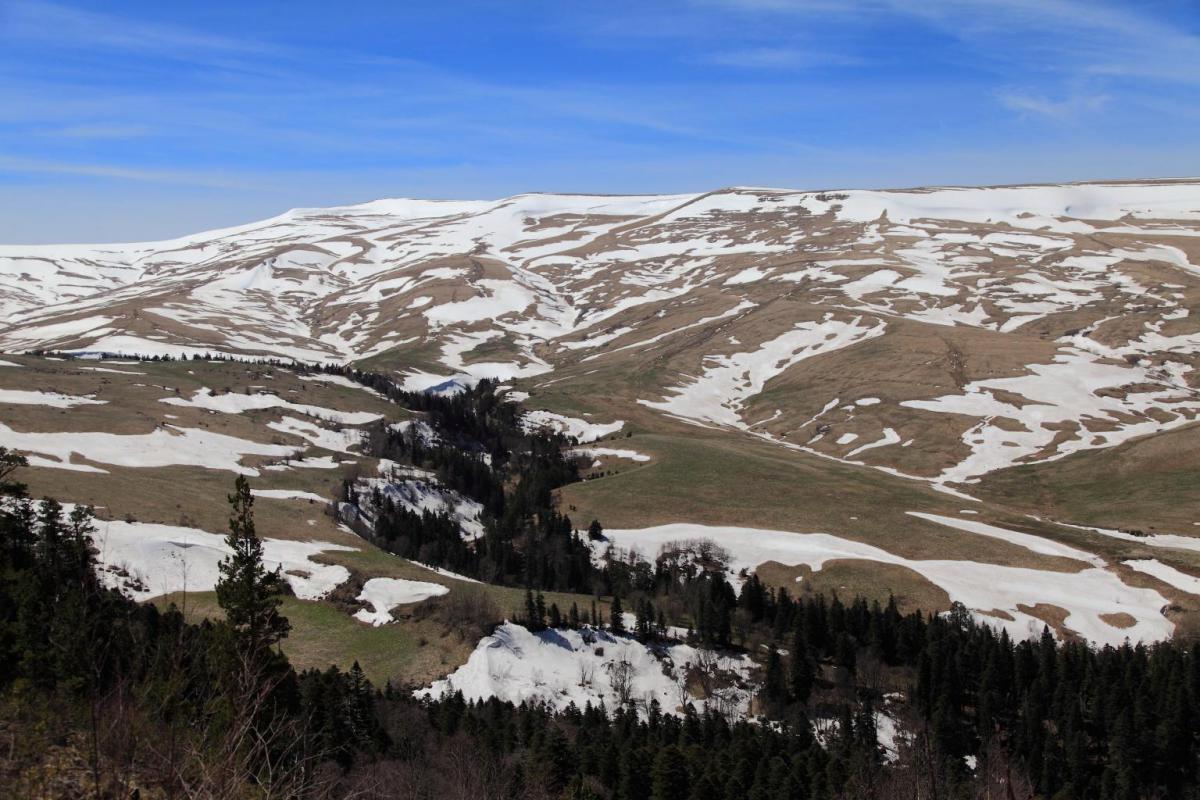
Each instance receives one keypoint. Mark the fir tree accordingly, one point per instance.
(9, 462)
(775, 684)
(800, 668)
(669, 778)
(249, 595)
(616, 616)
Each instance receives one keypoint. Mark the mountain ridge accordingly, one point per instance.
(987, 304)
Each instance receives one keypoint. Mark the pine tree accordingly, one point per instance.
(533, 620)
(249, 595)
(669, 777)
(800, 670)
(775, 684)
(9, 462)
(617, 615)
(643, 619)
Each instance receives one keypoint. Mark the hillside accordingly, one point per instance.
(950, 394)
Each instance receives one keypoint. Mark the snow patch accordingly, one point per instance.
(384, 594)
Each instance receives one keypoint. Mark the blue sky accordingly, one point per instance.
(137, 120)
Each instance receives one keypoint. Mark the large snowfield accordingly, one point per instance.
(163, 447)
(147, 560)
(995, 593)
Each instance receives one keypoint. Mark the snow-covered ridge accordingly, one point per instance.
(713, 298)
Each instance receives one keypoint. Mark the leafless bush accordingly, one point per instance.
(468, 611)
(686, 555)
(620, 677)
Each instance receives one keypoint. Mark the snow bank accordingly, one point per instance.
(1169, 540)
(234, 403)
(633, 455)
(560, 667)
(146, 560)
(719, 393)
(164, 447)
(1167, 574)
(1066, 392)
(22, 397)
(341, 440)
(1036, 544)
(1086, 595)
(288, 494)
(419, 495)
(581, 429)
(339, 380)
(384, 594)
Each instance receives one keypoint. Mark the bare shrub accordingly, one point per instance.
(469, 611)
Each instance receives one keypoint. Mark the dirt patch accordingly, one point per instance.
(847, 578)
(1052, 615)
(1119, 619)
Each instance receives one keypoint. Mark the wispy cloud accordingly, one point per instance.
(780, 58)
(31, 19)
(1097, 38)
(1067, 108)
(206, 178)
(235, 103)
(100, 130)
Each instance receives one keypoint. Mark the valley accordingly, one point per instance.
(946, 402)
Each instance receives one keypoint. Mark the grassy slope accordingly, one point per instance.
(1147, 484)
(416, 649)
(696, 475)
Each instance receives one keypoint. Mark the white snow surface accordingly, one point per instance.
(340, 440)
(1036, 544)
(717, 395)
(615, 452)
(288, 494)
(165, 446)
(1062, 392)
(23, 397)
(339, 380)
(235, 403)
(583, 430)
(559, 667)
(384, 594)
(421, 494)
(160, 559)
(1167, 574)
(1086, 595)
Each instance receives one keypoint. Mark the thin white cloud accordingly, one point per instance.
(179, 177)
(1067, 108)
(100, 130)
(779, 58)
(57, 25)
(1094, 38)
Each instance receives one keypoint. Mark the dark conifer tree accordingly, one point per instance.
(247, 592)
(616, 616)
